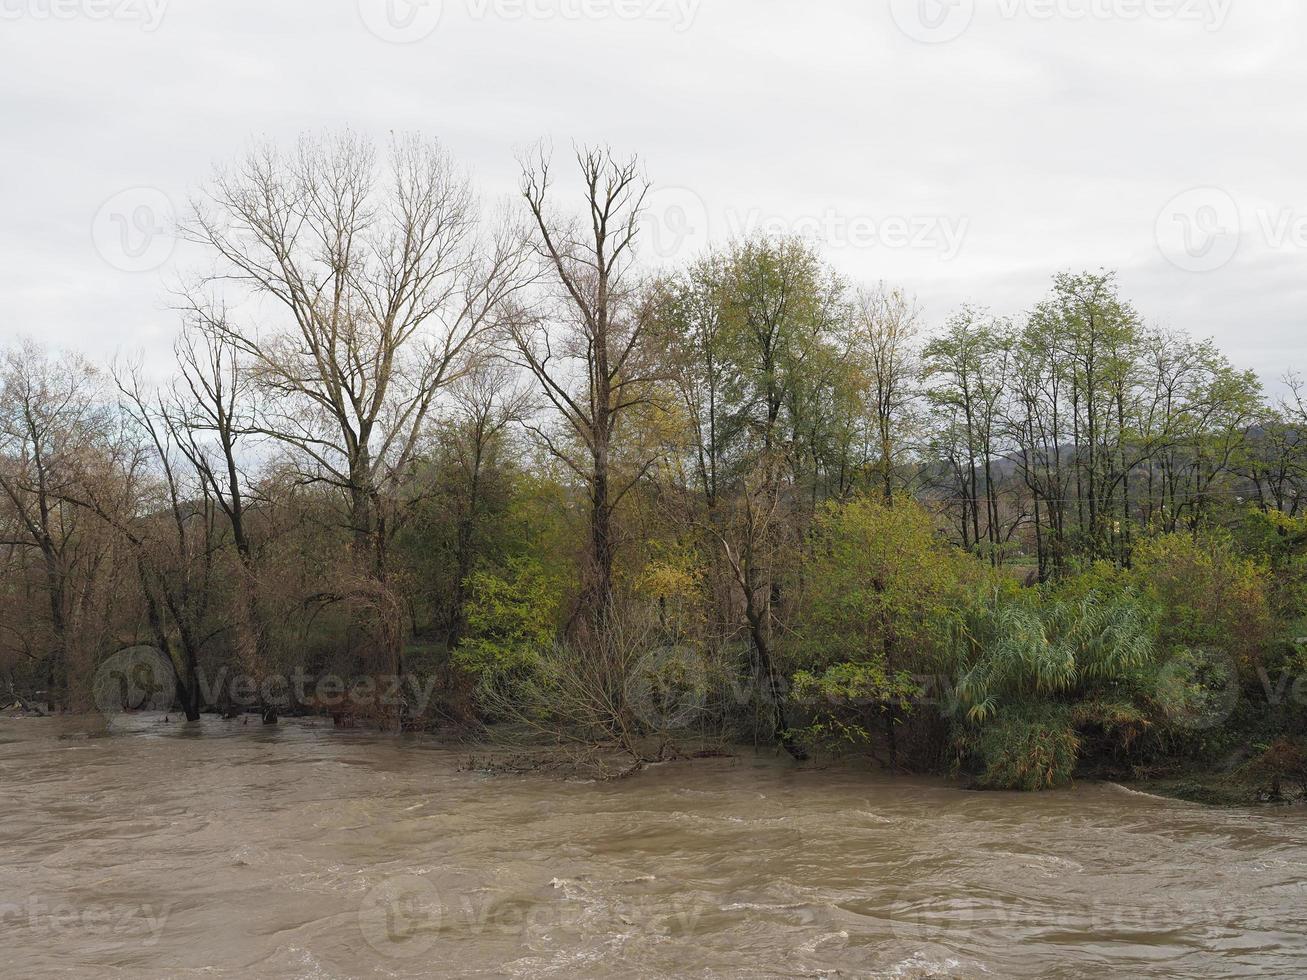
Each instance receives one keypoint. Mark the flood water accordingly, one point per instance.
(221, 850)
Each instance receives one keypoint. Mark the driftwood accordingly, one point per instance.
(15, 700)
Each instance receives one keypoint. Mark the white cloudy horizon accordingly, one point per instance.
(965, 150)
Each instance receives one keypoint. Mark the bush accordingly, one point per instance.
(511, 616)
(619, 690)
(1209, 597)
(840, 700)
(1037, 672)
(1010, 651)
(882, 591)
(1028, 749)
(1284, 761)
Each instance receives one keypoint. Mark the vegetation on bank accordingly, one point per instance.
(553, 489)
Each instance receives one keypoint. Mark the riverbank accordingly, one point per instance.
(1231, 787)
(1222, 790)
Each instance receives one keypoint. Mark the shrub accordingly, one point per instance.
(1029, 749)
(511, 615)
(882, 591)
(841, 698)
(618, 690)
(1283, 761)
(1018, 650)
(1037, 671)
(1209, 597)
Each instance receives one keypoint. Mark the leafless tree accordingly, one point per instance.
(584, 341)
(385, 284)
(51, 417)
(210, 413)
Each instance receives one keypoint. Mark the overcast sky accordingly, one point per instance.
(965, 149)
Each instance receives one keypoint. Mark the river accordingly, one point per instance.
(226, 850)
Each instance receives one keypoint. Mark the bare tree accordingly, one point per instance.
(209, 413)
(385, 283)
(164, 513)
(50, 419)
(584, 341)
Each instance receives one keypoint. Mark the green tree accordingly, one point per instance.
(880, 600)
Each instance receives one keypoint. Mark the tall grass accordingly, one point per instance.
(1024, 662)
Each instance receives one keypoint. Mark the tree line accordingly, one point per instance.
(409, 434)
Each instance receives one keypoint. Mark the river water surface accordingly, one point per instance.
(227, 850)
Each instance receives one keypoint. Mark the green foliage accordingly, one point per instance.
(1004, 654)
(840, 697)
(882, 590)
(1209, 596)
(1038, 646)
(512, 615)
(1031, 749)
(882, 586)
(1283, 763)
(1037, 669)
(1280, 542)
(1195, 689)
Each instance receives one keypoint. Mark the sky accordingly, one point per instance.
(965, 150)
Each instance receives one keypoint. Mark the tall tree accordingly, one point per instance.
(383, 283)
(584, 340)
(884, 333)
(52, 421)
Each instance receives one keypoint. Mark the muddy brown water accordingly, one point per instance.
(221, 850)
